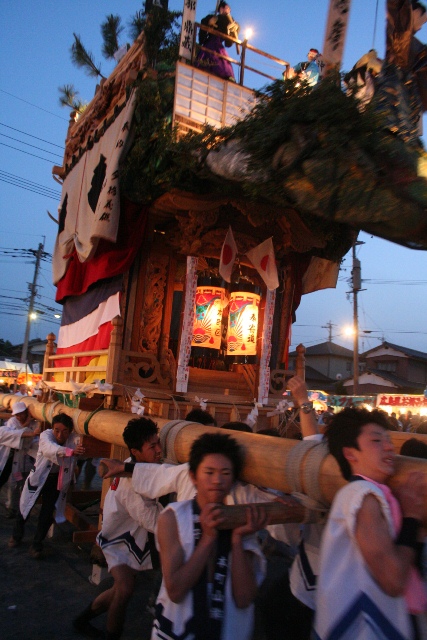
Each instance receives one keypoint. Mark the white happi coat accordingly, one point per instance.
(25, 448)
(305, 567)
(155, 480)
(127, 517)
(237, 623)
(49, 454)
(350, 604)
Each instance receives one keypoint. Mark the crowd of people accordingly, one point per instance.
(355, 571)
(16, 389)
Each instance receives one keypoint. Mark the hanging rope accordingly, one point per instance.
(375, 26)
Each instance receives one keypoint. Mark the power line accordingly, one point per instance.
(402, 282)
(12, 290)
(3, 144)
(27, 184)
(34, 105)
(31, 136)
(36, 191)
(13, 251)
(30, 145)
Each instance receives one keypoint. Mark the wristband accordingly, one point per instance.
(129, 467)
(408, 533)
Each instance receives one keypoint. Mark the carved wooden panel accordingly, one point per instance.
(151, 320)
(278, 378)
(142, 369)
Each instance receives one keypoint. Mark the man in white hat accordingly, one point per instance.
(18, 449)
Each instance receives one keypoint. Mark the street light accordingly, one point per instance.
(348, 331)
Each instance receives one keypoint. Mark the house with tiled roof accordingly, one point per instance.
(391, 368)
(325, 363)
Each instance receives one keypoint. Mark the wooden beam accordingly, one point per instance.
(78, 519)
(85, 536)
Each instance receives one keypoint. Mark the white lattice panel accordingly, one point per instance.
(201, 98)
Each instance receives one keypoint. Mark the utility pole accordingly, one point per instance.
(33, 292)
(329, 326)
(356, 282)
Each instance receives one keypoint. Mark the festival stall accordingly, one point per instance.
(401, 403)
(18, 373)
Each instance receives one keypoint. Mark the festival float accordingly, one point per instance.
(194, 215)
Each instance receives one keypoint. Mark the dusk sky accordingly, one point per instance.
(35, 53)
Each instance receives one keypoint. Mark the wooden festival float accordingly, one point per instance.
(163, 162)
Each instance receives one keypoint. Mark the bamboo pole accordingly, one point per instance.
(267, 459)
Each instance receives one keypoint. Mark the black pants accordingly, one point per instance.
(49, 495)
(4, 475)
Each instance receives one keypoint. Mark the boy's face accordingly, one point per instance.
(375, 457)
(214, 478)
(151, 451)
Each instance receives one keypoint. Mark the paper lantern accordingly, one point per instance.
(210, 302)
(243, 320)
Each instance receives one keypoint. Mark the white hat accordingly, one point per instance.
(18, 407)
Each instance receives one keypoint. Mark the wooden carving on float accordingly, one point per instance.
(107, 102)
(278, 379)
(151, 321)
(202, 221)
(141, 369)
(212, 241)
(190, 230)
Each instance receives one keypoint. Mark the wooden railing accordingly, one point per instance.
(134, 369)
(242, 47)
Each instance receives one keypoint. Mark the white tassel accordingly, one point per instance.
(281, 407)
(136, 403)
(252, 417)
(202, 401)
(103, 386)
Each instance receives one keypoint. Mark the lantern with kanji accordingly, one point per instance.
(243, 321)
(210, 302)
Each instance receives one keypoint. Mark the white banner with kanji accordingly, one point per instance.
(187, 325)
(264, 369)
(187, 29)
(90, 201)
(336, 31)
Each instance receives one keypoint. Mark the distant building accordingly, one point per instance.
(391, 368)
(326, 363)
(36, 351)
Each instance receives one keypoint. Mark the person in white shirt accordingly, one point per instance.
(369, 586)
(18, 449)
(50, 478)
(210, 577)
(127, 534)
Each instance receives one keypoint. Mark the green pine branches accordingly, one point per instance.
(68, 97)
(111, 30)
(83, 58)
